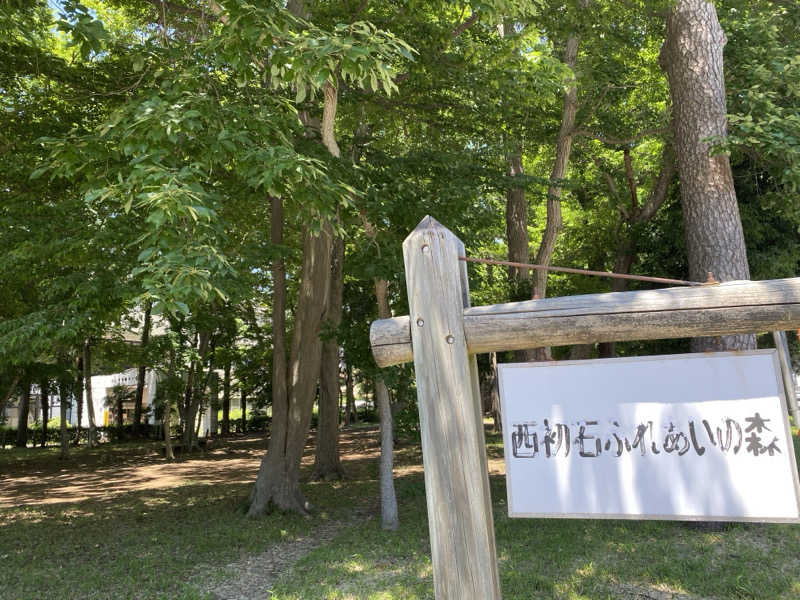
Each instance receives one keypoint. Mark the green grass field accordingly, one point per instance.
(166, 543)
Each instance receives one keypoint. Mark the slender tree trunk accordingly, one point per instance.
(140, 376)
(327, 465)
(44, 400)
(563, 149)
(243, 422)
(195, 388)
(692, 58)
(278, 481)
(390, 519)
(280, 396)
(517, 224)
(8, 393)
(79, 399)
(87, 382)
(350, 403)
(213, 392)
(63, 395)
(23, 411)
(495, 395)
(226, 399)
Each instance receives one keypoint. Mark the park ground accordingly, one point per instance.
(119, 522)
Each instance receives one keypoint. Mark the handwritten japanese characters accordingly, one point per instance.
(701, 436)
(592, 439)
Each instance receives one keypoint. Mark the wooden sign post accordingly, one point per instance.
(442, 335)
(453, 448)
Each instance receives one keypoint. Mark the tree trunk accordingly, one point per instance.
(243, 422)
(8, 393)
(495, 395)
(389, 516)
(23, 410)
(63, 395)
(87, 382)
(140, 376)
(44, 400)
(327, 465)
(692, 58)
(280, 396)
(351, 412)
(195, 388)
(278, 482)
(79, 400)
(213, 392)
(226, 400)
(563, 148)
(517, 225)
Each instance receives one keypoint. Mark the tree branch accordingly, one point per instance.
(659, 192)
(457, 31)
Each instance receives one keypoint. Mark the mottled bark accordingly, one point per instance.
(140, 375)
(22, 411)
(87, 382)
(692, 58)
(278, 481)
(327, 465)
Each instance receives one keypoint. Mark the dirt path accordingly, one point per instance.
(105, 473)
(253, 577)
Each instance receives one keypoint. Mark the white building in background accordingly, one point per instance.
(102, 389)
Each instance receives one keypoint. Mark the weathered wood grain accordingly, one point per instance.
(728, 308)
(454, 454)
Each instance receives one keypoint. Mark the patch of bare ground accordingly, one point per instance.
(629, 591)
(96, 475)
(252, 577)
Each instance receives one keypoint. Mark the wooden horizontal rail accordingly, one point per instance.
(729, 308)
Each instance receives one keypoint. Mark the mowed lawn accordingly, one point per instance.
(175, 534)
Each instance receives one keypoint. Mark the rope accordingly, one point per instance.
(505, 263)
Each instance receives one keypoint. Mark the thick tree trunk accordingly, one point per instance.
(44, 400)
(22, 411)
(140, 376)
(63, 395)
(692, 58)
(226, 400)
(389, 515)
(327, 465)
(278, 482)
(87, 382)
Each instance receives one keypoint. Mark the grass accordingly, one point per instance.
(160, 543)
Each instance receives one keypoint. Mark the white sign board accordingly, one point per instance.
(689, 437)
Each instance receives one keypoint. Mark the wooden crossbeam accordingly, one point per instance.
(728, 308)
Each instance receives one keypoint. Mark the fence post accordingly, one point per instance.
(453, 447)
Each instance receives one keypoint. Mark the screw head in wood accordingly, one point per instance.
(426, 249)
(450, 339)
(420, 322)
